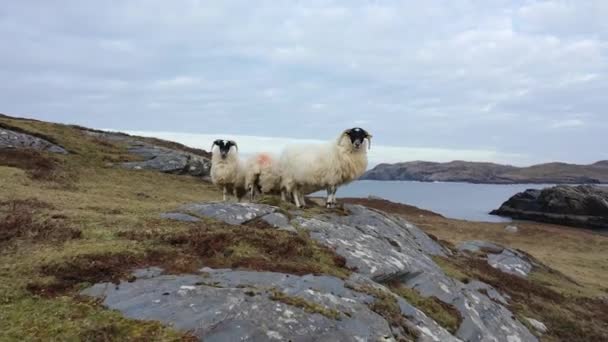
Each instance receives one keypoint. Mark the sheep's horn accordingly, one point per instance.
(214, 143)
(235, 145)
(369, 141)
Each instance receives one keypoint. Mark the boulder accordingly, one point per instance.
(13, 139)
(231, 213)
(508, 260)
(582, 206)
(158, 158)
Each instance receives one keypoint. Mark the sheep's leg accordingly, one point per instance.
(251, 193)
(331, 196)
(283, 195)
(224, 193)
(302, 200)
(296, 198)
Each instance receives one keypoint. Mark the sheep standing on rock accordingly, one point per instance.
(309, 168)
(227, 171)
(262, 175)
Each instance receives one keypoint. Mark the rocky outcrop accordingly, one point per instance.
(581, 206)
(159, 158)
(229, 305)
(261, 306)
(505, 259)
(13, 139)
(490, 173)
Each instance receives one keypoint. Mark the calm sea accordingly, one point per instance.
(454, 200)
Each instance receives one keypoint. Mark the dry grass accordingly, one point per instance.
(38, 166)
(221, 245)
(568, 317)
(444, 314)
(304, 304)
(20, 220)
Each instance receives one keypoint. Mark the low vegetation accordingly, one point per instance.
(304, 304)
(21, 220)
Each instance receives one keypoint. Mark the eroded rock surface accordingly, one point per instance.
(12, 139)
(229, 304)
(159, 158)
(505, 259)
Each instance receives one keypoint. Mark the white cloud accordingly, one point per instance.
(569, 123)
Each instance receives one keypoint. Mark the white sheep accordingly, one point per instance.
(262, 174)
(227, 171)
(309, 168)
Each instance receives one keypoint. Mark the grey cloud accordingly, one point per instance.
(525, 78)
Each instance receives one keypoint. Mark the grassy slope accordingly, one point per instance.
(116, 214)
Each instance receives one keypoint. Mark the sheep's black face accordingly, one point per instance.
(224, 146)
(357, 136)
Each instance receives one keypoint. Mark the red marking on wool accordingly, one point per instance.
(264, 159)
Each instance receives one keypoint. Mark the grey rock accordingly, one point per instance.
(386, 248)
(480, 246)
(159, 158)
(579, 206)
(505, 259)
(231, 213)
(511, 229)
(279, 221)
(179, 217)
(226, 305)
(166, 160)
(12, 139)
(511, 261)
(489, 290)
(373, 243)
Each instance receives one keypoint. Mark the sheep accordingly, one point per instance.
(309, 168)
(227, 171)
(262, 174)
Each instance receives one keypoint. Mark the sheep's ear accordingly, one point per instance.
(346, 131)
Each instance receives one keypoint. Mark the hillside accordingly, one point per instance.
(489, 173)
(101, 241)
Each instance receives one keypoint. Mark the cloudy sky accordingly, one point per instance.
(508, 81)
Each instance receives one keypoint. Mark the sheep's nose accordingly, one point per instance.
(357, 143)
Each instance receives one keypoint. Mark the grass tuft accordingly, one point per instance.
(444, 314)
(304, 304)
(20, 220)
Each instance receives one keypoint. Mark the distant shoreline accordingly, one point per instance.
(490, 173)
